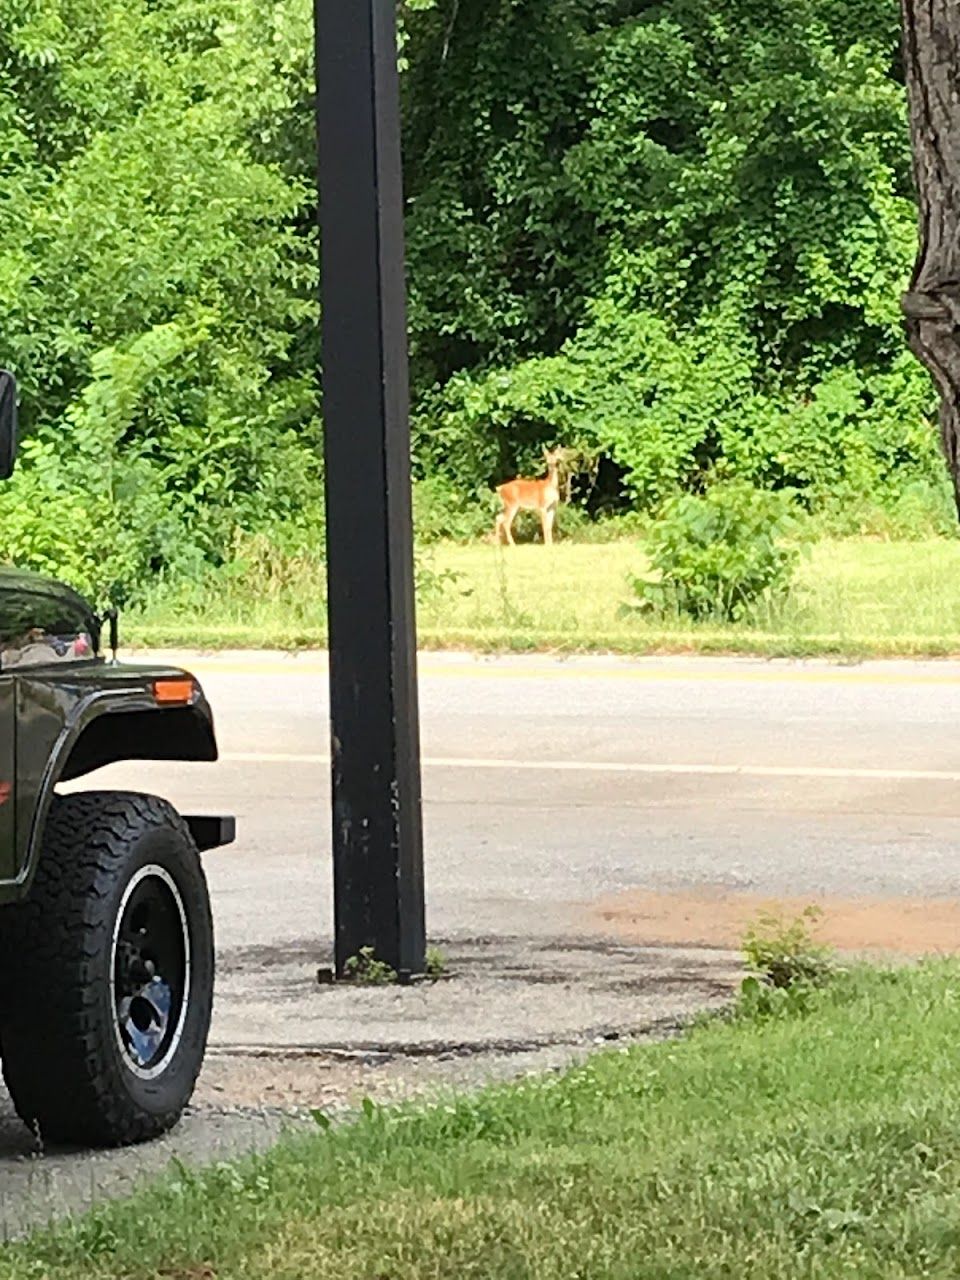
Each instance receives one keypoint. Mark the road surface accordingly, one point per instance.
(551, 785)
(575, 811)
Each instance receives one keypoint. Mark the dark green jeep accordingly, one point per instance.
(106, 983)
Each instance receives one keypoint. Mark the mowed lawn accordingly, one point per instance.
(849, 597)
(854, 598)
(821, 1143)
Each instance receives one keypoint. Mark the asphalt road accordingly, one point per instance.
(550, 788)
(549, 784)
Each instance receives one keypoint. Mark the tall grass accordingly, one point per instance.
(264, 596)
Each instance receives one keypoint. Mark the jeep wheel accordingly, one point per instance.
(110, 973)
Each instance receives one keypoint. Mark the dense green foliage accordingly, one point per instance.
(667, 233)
(156, 271)
(675, 233)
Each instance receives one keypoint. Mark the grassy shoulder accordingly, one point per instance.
(818, 1142)
(851, 598)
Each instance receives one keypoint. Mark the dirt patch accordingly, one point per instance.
(908, 926)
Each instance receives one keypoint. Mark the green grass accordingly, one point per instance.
(852, 598)
(823, 1143)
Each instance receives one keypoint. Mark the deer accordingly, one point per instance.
(531, 495)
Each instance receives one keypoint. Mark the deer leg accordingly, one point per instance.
(508, 516)
(547, 519)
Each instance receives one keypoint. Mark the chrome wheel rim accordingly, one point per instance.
(150, 972)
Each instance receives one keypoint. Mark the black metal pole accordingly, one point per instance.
(377, 827)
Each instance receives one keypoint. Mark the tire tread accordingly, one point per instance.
(51, 1037)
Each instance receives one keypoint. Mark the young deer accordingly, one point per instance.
(532, 495)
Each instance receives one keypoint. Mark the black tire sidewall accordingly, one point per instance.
(165, 847)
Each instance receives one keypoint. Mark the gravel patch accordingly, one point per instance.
(509, 1008)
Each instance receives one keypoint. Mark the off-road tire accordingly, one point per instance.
(63, 1060)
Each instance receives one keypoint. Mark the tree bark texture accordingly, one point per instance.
(931, 42)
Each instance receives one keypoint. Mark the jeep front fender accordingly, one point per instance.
(72, 724)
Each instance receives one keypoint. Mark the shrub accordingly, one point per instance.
(785, 953)
(718, 554)
(116, 512)
(915, 510)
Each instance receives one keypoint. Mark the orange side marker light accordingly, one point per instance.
(174, 692)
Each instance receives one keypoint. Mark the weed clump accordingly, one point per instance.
(786, 964)
(368, 970)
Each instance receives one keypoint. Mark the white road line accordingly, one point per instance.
(622, 766)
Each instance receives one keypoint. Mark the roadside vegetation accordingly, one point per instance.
(674, 247)
(853, 598)
(811, 1131)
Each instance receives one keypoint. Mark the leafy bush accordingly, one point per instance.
(717, 554)
(665, 406)
(915, 510)
(115, 506)
(157, 285)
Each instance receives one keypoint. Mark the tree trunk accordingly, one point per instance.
(931, 46)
